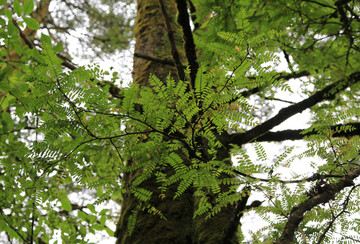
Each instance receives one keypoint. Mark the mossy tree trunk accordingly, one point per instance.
(151, 41)
(151, 48)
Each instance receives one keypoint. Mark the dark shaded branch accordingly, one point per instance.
(23, 36)
(282, 76)
(174, 52)
(312, 178)
(114, 90)
(193, 15)
(232, 228)
(156, 60)
(328, 193)
(283, 135)
(10, 225)
(335, 217)
(347, 237)
(184, 21)
(66, 63)
(352, 13)
(279, 100)
(321, 4)
(285, 113)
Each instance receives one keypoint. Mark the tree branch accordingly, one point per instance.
(285, 113)
(232, 228)
(283, 135)
(156, 60)
(31, 45)
(193, 15)
(184, 21)
(312, 178)
(174, 52)
(282, 76)
(335, 217)
(327, 193)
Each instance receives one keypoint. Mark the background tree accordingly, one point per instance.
(165, 143)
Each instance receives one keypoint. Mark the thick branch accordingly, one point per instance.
(193, 15)
(312, 178)
(184, 21)
(285, 113)
(297, 213)
(174, 51)
(238, 213)
(156, 60)
(279, 136)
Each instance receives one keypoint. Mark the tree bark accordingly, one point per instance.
(151, 40)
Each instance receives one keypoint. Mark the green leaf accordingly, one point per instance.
(58, 47)
(109, 231)
(65, 202)
(91, 218)
(45, 38)
(2, 2)
(2, 22)
(102, 220)
(17, 7)
(2, 223)
(7, 121)
(6, 101)
(28, 6)
(82, 215)
(32, 23)
(104, 211)
(8, 13)
(91, 208)
(98, 227)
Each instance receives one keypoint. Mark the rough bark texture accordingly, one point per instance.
(151, 40)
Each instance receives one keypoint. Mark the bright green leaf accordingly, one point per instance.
(28, 6)
(2, 22)
(98, 227)
(91, 208)
(58, 47)
(12, 29)
(2, 2)
(45, 38)
(65, 202)
(17, 7)
(91, 218)
(32, 23)
(82, 215)
(102, 220)
(109, 231)
(8, 13)
(7, 121)
(104, 211)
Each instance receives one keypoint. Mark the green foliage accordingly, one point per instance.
(62, 132)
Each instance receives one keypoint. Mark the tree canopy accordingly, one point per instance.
(172, 148)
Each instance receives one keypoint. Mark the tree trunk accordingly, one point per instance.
(152, 44)
(151, 41)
